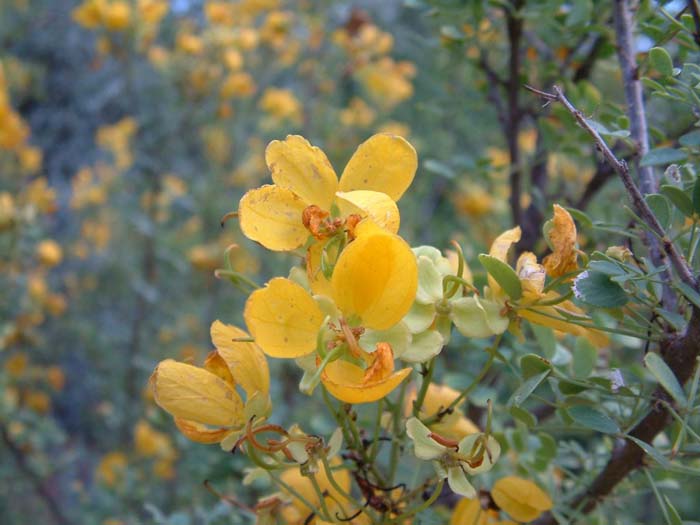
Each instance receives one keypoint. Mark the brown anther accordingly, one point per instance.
(350, 223)
(314, 220)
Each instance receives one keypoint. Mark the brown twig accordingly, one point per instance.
(514, 25)
(641, 207)
(695, 12)
(680, 354)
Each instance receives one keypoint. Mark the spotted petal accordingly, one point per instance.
(283, 319)
(271, 216)
(378, 206)
(304, 169)
(193, 393)
(245, 360)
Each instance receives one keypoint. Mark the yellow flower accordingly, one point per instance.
(49, 253)
(297, 511)
(469, 512)
(520, 498)
(453, 425)
(536, 305)
(205, 401)
(151, 443)
(286, 321)
(281, 216)
(281, 104)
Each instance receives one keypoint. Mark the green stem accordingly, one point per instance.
(374, 450)
(492, 350)
(397, 434)
(421, 507)
(427, 373)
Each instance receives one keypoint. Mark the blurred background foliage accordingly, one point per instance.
(129, 128)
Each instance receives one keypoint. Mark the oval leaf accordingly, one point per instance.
(593, 419)
(666, 378)
(503, 274)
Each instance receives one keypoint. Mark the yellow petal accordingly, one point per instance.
(215, 364)
(317, 280)
(499, 249)
(534, 314)
(502, 243)
(245, 360)
(378, 206)
(375, 278)
(383, 163)
(200, 433)
(520, 498)
(344, 381)
(189, 392)
(531, 273)
(562, 237)
(283, 319)
(302, 168)
(469, 512)
(271, 216)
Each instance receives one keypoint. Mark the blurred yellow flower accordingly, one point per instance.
(117, 15)
(520, 498)
(49, 253)
(281, 105)
(112, 468)
(357, 114)
(238, 84)
(469, 512)
(453, 424)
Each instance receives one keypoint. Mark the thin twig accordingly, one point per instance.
(641, 207)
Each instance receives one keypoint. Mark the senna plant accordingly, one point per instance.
(371, 322)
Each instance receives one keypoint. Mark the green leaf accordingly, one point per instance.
(651, 451)
(663, 156)
(661, 208)
(597, 289)
(593, 419)
(570, 389)
(585, 357)
(689, 293)
(690, 140)
(527, 388)
(532, 364)
(439, 168)
(666, 378)
(582, 218)
(604, 131)
(674, 517)
(679, 198)
(503, 274)
(523, 416)
(580, 13)
(545, 339)
(661, 61)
